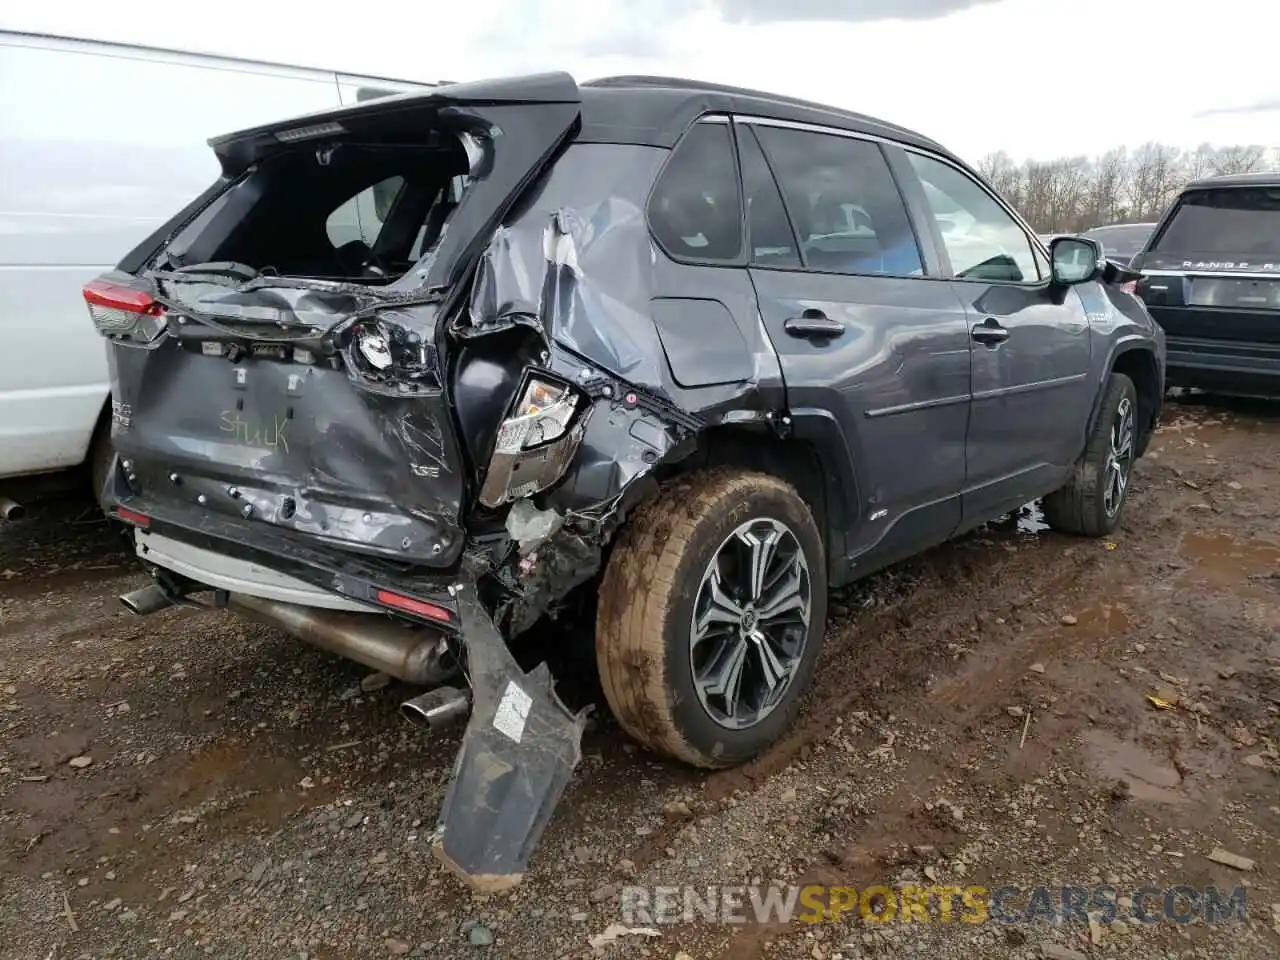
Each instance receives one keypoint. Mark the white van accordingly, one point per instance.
(83, 181)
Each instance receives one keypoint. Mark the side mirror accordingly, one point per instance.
(1074, 260)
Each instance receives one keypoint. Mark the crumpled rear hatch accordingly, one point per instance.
(274, 432)
(278, 359)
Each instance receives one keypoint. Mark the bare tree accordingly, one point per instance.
(1157, 176)
(1104, 202)
(1199, 163)
(999, 170)
(1238, 160)
(1076, 193)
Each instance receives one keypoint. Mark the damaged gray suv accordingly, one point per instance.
(416, 374)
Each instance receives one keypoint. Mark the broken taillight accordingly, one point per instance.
(118, 310)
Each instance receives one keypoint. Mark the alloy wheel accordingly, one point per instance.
(750, 623)
(1115, 474)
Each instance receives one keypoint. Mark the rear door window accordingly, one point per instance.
(848, 214)
(695, 210)
(1231, 222)
(773, 242)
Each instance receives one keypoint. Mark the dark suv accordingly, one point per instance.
(419, 373)
(1212, 281)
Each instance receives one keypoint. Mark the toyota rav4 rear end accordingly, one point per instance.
(335, 390)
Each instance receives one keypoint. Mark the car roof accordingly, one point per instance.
(642, 110)
(1269, 178)
(656, 110)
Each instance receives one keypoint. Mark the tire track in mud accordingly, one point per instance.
(1097, 587)
(1069, 574)
(928, 646)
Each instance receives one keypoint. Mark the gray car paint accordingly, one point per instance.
(939, 432)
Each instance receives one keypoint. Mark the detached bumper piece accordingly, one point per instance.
(518, 753)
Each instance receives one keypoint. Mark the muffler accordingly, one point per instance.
(146, 600)
(417, 655)
(437, 708)
(11, 509)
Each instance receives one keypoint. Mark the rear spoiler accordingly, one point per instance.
(240, 150)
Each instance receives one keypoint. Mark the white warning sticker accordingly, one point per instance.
(512, 712)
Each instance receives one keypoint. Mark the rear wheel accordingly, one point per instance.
(711, 616)
(1092, 501)
(101, 457)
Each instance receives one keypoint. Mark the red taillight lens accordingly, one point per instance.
(103, 293)
(134, 517)
(116, 308)
(410, 605)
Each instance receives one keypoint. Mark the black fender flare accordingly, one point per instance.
(1132, 344)
(820, 429)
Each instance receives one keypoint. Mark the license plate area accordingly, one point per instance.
(1234, 292)
(298, 447)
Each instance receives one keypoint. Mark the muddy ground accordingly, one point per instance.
(190, 785)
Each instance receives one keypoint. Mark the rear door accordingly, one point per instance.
(1031, 385)
(1213, 270)
(864, 330)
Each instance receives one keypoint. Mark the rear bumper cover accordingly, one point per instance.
(521, 744)
(361, 580)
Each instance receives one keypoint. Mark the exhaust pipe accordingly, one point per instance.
(11, 509)
(437, 708)
(146, 600)
(418, 656)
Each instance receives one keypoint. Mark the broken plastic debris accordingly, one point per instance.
(531, 527)
(1159, 703)
(615, 931)
(1228, 859)
(504, 789)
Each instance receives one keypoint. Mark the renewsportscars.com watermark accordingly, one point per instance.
(906, 903)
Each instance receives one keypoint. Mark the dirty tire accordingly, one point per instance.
(646, 607)
(1078, 507)
(101, 457)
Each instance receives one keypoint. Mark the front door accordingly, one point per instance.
(1031, 388)
(861, 333)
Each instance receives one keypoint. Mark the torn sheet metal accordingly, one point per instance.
(518, 753)
(579, 266)
(538, 278)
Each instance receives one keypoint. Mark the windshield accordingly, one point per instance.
(1231, 221)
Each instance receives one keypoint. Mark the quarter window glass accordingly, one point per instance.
(982, 240)
(773, 244)
(696, 207)
(842, 198)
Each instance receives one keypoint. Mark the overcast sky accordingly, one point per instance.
(1038, 78)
